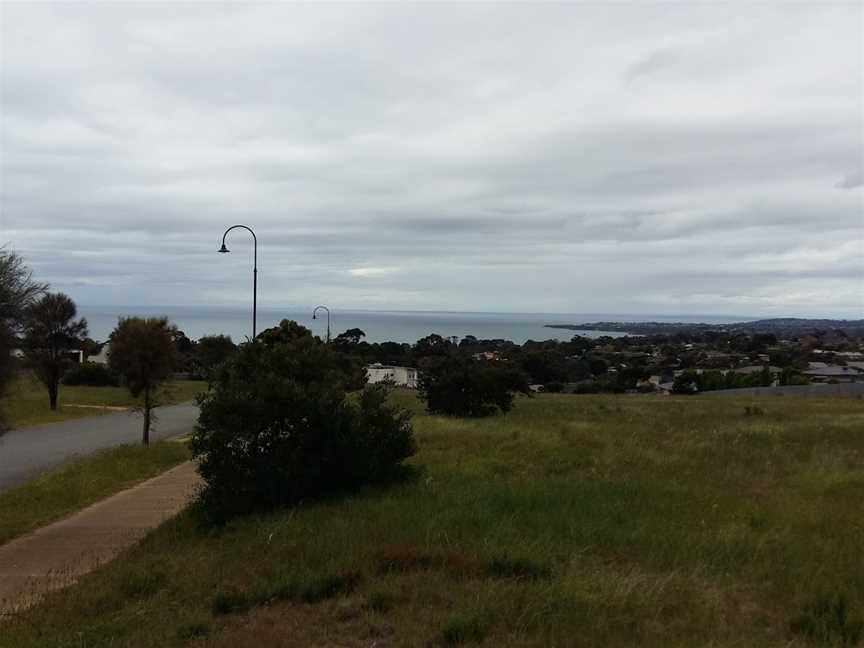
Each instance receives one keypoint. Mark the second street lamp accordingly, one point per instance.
(224, 250)
(314, 316)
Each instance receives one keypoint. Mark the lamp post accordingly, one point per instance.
(224, 250)
(314, 316)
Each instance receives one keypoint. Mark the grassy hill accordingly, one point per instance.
(572, 521)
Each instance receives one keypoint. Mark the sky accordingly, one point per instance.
(605, 158)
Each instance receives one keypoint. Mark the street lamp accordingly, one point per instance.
(224, 250)
(314, 316)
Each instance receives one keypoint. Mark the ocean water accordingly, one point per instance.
(379, 326)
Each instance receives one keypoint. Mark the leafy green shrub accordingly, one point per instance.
(91, 374)
(278, 427)
(461, 386)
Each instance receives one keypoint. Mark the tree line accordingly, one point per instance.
(44, 326)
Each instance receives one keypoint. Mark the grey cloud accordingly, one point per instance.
(852, 180)
(655, 61)
(485, 156)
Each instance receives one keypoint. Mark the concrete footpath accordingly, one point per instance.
(56, 555)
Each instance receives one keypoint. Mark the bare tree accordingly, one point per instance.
(18, 291)
(51, 332)
(142, 351)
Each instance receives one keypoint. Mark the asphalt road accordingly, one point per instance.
(25, 453)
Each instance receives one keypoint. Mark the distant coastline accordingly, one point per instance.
(779, 326)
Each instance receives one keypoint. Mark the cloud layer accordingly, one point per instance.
(568, 158)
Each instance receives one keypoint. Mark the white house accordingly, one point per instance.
(400, 376)
(102, 356)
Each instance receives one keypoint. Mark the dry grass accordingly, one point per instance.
(572, 521)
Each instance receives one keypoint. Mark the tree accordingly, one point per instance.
(184, 351)
(545, 366)
(278, 426)
(17, 292)
(142, 352)
(286, 332)
(432, 345)
(51, 333)
(349, 338)
(462, 386)
(211, 351)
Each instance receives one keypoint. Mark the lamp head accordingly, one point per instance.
(314, 316)
(223, 249)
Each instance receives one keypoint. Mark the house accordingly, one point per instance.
(752, 369)
(487, 355)
(101, 357)
(822, 372)
(400, 376)
(757, 369)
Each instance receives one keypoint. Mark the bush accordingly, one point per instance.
(91, 374)
(461, 386)
(278, 427)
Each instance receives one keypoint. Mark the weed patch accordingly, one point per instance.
(380, 601)
(193, 631)
(829, 621)
(142, 582)
(519, 568)
(754, 410)
(230, 602)
(404, 558)
(313, 591)
(462, 630)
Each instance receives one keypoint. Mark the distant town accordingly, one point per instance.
(650, 357)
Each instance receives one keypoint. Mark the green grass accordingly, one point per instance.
(572, 521)
(80, 482)
(26, 403)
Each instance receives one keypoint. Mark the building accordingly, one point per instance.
(487, 355)
(102, 356)
(822, 372)
(399, 376)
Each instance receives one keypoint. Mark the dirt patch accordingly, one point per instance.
(340, 623)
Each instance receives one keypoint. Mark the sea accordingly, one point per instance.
(379, 326)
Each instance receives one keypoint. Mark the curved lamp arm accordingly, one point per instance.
(314, 316)
(224, 249)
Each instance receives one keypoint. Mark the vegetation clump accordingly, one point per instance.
(829, 620)
(91, 374)
(278, 426)
(461, 386)
(462, 630)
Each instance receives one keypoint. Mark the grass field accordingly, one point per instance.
(27, 401)
(572, 521)
(80, 482)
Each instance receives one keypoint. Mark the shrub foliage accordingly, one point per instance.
(91, 374)
(278, 426)
(462, 386)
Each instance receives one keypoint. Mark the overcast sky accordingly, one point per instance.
(631, 158)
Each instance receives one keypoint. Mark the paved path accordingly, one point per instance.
(56, 555)
(25, 453)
